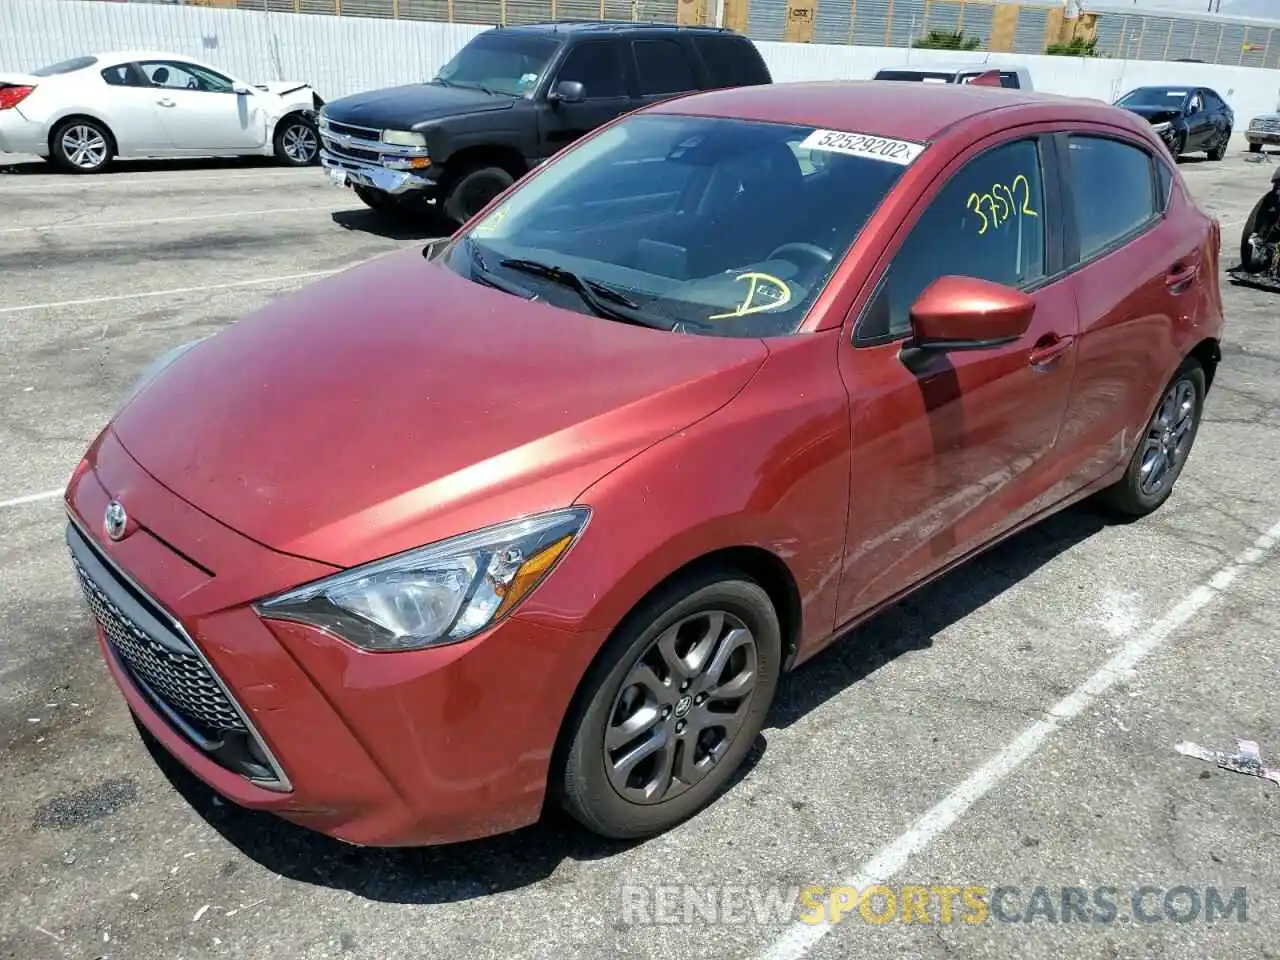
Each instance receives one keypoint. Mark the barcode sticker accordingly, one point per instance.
(901, 152)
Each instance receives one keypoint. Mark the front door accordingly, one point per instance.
(951, 453)
(599, 67)
(201, 110)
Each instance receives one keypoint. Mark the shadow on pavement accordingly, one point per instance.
(424, 225)
(34, 166)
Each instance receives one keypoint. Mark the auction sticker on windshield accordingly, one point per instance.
(901, 152)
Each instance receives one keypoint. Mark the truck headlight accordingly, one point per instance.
(438, 594)
(1161, 127)
(403, 138)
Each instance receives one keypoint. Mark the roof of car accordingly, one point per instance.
(132, 56)
(950, 67)
(887, 108)
(604, 26)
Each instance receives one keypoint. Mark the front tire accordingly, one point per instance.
(82, 146)
(1246, 248)
(297, 142)
(1255, 148)
(1164, 447)
(469, 191)
(672, 705)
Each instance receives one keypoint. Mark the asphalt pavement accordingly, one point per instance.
(1009, 728)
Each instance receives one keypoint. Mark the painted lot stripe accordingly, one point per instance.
(150, 221)
(173, 292)
(800, 938)
(31, 498)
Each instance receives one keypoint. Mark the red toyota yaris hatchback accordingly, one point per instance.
(548, 512)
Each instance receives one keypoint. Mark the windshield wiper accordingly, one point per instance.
(481, 273)
(603, 300)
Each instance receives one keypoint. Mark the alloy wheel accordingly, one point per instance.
(680, 707)
(299, 143)
(1168, 439)
(84, 147)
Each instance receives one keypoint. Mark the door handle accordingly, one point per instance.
(1180, 276)
(166, 102)
(1049, 350)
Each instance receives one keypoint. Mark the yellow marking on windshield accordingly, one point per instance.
(780, 297)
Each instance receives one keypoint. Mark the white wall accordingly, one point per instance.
(341, 55)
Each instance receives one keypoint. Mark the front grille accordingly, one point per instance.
(1267, 126)
(166, 667)
(344, 152)
(179, 679)
(359, 133)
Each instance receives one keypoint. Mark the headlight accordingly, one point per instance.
(1161, 127)
(437, 594)
(158, 366)
(403, 138)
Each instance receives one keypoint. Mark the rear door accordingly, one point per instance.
(598, 65)
(664, 68)
(1134, 271)
(948, 455)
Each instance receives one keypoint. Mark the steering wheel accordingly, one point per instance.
(819, 256)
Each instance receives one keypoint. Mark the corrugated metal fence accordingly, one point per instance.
(1006, 27)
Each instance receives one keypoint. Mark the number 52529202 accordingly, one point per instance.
(1001, 203)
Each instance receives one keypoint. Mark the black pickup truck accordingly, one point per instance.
(509, 99)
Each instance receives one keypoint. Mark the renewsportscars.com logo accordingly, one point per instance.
(972, 904)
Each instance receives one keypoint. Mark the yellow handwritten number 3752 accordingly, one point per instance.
(1002, 202)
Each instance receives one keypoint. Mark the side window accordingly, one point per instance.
(1113, 189)
(1009, 79)
(598, 67)
(987, 222)
(1164, 179)
(663, 67)
(117, 76)
(732, 62)
(185, 76)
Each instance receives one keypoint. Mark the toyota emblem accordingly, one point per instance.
(115, 520)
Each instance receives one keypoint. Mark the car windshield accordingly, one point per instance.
(65, 66)
(499, 63)
(1165, 97)
(705, 225)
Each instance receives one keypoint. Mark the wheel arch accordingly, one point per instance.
(1209, 354)
(495, 155)
(60, 122)
(762, 566)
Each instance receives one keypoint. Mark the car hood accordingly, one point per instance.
(410, 106)
(282, 87)
(1155, 114)
(398, 404)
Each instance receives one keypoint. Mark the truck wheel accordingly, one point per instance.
(1247, 259)
(467, 192)
(376, 199)
(1255, 148)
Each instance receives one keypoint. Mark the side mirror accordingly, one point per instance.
(241, 90)
(568, 91)
(965, 313)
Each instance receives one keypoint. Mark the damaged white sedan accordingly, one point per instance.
(85, 112)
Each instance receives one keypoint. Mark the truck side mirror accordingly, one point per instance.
(568, 91)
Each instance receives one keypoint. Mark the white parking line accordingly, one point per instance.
(31, 498)
(799, 938)
(150, 221)
(172, 292)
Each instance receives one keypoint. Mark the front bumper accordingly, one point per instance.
(1268, 137)
(412, 748)
(394, 182)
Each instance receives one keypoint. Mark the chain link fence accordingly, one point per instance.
(991, 26)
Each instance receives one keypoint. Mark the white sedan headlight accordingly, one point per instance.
(1161, 127)
(403, 138)
(438, 594)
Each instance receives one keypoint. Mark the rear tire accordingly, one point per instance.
(467, 192)
(1164, 447)
(1220, 151)
(80, 145)
(721, 629)
(297, 142)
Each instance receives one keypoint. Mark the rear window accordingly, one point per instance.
(65, 66)
(732, 61)
(681, 216)
(917, 75)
